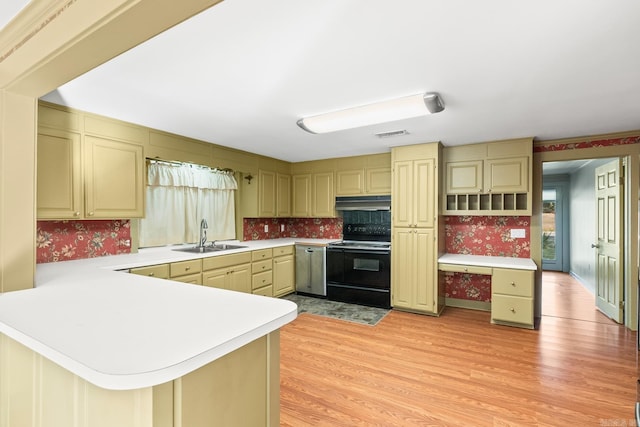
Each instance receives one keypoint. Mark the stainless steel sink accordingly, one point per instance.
(211, 248)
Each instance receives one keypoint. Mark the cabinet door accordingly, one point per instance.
(283, 194)
(301, 189)
(464, 177)
(402, 200)
(216, 278)
(240, 278)
(283, 275)
(349, 182)
(425, 271)
(114, 179)
(378, 180)
(425, 193)
(59, 185)
(323, 196)
(507, 175)
(266, 194)
(403, 266)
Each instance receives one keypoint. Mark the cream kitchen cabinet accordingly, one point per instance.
(231, 272)
(160, 271)
(313, 195)
(97, 179)
(492, 178)
(350, 182)
(262, 272)
(186, 271)
(283, 271)
(274, 194)
(415, 227)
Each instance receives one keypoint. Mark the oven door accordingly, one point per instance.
(367, 268)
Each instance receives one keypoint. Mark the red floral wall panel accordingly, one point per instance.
(67, 240)
(482, 235)
(315, 228)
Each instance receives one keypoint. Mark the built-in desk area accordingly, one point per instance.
(512, 284)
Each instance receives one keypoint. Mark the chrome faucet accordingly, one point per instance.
(203, 232)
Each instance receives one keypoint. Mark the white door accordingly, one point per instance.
(609, 256)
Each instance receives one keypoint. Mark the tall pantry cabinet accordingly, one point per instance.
(417, 230)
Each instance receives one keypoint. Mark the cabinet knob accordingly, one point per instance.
(513, 283)
(187, 269)
(152, 274)
(90, 213)
(513, 310)
(466, 269)
(76, 214)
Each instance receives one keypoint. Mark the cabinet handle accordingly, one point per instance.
(90, 213)
(513, 283)
(187, 269)
(152, 274)
(513, 310)
(76, 214)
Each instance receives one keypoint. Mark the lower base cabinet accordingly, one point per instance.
(284, 277)
(512, 297)
(232, 272)
(239, 389)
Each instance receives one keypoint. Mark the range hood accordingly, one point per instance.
(363, 203)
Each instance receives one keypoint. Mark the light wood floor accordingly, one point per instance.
(456, 370)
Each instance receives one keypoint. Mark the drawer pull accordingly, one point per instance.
(513, 310)
(466, 269)
(187, 269)
(513, 283)
(152, 274)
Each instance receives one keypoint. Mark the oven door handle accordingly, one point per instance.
(368, 250)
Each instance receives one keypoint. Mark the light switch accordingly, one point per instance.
(266, 228)
(281, 227)
(518, 233)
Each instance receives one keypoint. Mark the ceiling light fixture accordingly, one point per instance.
(379, 112)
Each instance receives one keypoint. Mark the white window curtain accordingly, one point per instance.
(179, 196)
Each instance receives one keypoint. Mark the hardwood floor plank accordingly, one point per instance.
(455, 370)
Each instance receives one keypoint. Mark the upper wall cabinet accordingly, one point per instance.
(87, 176)
(491, 178)
(313, 195)
(274, 194)
(363, 175)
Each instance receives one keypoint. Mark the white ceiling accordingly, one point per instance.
(242, 73)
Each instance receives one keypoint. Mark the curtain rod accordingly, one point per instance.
(176, 163)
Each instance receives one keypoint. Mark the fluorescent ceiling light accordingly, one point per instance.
(379, 112)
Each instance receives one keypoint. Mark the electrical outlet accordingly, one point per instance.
(281, 227)
(518, 233)
(266, 228)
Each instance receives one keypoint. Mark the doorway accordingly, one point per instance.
(568, 231)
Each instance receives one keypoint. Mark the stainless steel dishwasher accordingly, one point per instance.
(311, 276)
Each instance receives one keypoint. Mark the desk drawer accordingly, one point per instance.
(512, 282)
(261, 254)
(469, 269)
(283, 250)
(512, 309)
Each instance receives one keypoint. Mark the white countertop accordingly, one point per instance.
(488, 261)
(122, 331)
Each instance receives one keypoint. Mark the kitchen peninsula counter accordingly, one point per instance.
(132, 335)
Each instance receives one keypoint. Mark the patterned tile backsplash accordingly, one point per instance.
(482, 235)
(67, 240)
(316, 228)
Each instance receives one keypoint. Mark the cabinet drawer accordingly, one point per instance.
(512, 282)
(261, 279)
(267, 291)
(283, 250)
(469, 269)
(185, 267)
(512, 309)
(261, 254)
(260, 266)
(194, 279)
(160, 271)
(225, 260)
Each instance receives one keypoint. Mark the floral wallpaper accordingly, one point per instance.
(482, 235)
(67, 240)
(541, 147)
(316, 228)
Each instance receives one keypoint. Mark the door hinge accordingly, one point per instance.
(621, 304)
